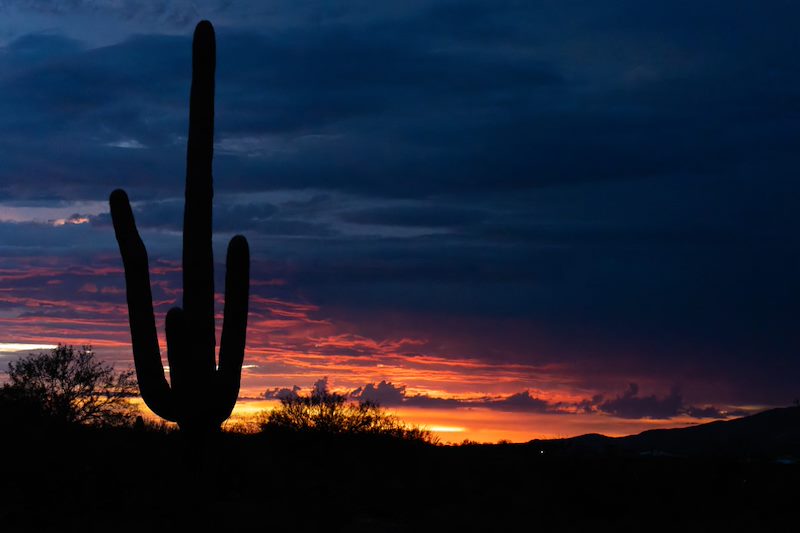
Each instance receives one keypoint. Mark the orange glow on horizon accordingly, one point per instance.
(50, 300)
(454, 426)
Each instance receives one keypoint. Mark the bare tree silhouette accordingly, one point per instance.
(200, 395)
(70, 386)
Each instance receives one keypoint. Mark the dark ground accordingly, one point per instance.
(82, 479)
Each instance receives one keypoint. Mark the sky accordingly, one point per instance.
(505, 219)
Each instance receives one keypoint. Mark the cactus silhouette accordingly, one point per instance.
(200, 395)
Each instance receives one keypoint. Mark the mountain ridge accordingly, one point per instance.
(771, 434)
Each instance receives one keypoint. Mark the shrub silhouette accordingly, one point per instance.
(327, 413)
(68, 386)
(200, 395)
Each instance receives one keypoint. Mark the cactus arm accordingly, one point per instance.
(234, 326)
(198, 262)
(147, 357)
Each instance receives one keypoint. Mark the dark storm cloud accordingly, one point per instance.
(168, 215)
(522, 401)
(36, 49)
(299, 107)
(178, 12)
(282, 393)
(391, 395)
(425, 216)
(610, 184)
(383, 393)
(31, 238)
(629, 405)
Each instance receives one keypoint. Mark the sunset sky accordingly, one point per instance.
(500, 219)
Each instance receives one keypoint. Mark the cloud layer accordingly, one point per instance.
(591, 195)
(628, 405)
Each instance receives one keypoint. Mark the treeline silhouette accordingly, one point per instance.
(93, 478)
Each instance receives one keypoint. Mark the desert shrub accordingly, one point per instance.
(328, 413)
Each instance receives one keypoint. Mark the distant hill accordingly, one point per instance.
(773, 434)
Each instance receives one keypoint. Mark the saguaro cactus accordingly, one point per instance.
(200, 395)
